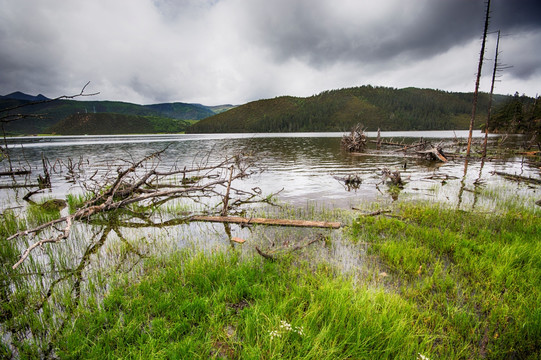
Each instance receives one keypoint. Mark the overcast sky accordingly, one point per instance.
(234, 51)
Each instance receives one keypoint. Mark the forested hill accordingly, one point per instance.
(48, 113)
(114, 124)
(338, 110)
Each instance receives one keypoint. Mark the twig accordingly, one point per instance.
(62, 236)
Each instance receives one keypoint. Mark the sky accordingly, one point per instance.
(235, 51)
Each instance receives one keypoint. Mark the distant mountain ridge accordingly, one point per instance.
(339, 110)
(116, 124)
(45, 114)
(17, 95)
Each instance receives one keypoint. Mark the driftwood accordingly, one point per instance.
(142, 183)
(518, 178)
(350, 182)
(394, 176)
(265, 221)
(355, 141)
(15, 172)
(435, 153)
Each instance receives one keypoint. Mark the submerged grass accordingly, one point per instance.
(220, 307)
(476, 278)
(449, 284)
(436, 282)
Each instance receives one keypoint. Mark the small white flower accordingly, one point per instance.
(285, 327)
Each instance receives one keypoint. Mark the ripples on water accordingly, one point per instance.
(304, 166)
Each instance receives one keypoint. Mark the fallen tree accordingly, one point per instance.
(144, 184)
(265, 221)
(357, 142)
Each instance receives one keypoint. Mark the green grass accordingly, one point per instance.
(476, 278)
(444, 283)
(221, 307)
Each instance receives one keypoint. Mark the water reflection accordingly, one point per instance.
(305, 166)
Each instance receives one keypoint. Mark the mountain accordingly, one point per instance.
(39, 116)
(115, 124)
(17, 95)
(182, 111)
(339, 110)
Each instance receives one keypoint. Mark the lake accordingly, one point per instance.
(303, 167)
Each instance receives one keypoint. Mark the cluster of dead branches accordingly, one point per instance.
(356, 140)
(393, 176)
(209, 184)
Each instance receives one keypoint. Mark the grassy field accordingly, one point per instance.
(436, 283)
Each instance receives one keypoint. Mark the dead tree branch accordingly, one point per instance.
(141, 183)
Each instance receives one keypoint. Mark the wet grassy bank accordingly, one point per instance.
(429, 280)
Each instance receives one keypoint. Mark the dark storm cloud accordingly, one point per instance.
(519, 22)
(324, 32)
(515, 15)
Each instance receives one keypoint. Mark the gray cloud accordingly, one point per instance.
(233, 51)
(324, 32)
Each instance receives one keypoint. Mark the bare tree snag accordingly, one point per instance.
(494, 71)
(226, 197)
(355, 141)
(62, 236)
(476, 92)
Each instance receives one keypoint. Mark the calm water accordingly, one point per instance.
(305, 167)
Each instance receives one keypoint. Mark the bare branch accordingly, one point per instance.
(141, 183)
(62, 236)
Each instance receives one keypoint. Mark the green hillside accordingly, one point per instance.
(50, 113)
(338, 110)
(116, 124)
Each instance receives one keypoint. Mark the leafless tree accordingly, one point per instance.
(476, 92)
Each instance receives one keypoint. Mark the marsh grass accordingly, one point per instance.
(219, 306)
(475, 277)
(423, 279)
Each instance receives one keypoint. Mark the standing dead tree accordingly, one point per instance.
(476, 92)
(144, 184)
(494, 71)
